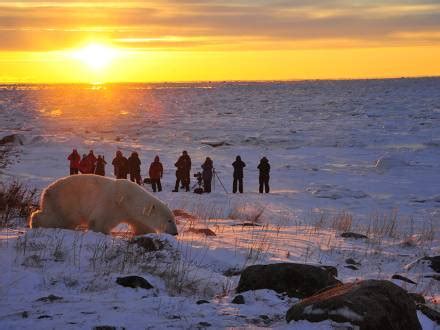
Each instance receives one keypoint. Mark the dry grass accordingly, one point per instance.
(16, 201)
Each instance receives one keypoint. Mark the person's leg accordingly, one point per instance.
(72, 171)
(207, 186)
(240, 185)
(131, 176)
(159, 185)
(234, 186)
(176, 187)
(262, 183)
(138, 178)
(267, 185)
(153, 185)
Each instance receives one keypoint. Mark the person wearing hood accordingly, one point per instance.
(91, 162)
(264, 168)
(134, 168)
(100, 166)
(120, 166)
(183, 165)
(156, 173)
(238, 175)
(207, 172)
(84, 165)
(74, 159)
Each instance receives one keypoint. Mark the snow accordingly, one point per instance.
(357, 156)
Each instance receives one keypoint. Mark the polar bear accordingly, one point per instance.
(101, 204)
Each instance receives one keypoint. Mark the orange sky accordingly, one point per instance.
(193, 40)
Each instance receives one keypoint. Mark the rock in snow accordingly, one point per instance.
(134, 282)
(14, 139)
(297, 280)
(370, 304)
(334, 192)
(389, 162)
(353, 235)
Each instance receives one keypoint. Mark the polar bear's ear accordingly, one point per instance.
(147, 210)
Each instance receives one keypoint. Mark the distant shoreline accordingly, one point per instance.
(214, 82)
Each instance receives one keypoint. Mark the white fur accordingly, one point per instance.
(102, 203)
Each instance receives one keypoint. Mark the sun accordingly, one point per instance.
(96, 56)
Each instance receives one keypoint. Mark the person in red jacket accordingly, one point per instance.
(83, 165)
(74, 159)
(156, 173)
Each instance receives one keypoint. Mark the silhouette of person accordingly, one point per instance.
(238, 175)
(207, 173)
(264, 168)
(100, 166)
(156, 173)
(74, 159)
(91, 162)
(183, 165)
(134, 167)
(120, 166)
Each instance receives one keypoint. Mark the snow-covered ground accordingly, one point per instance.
(345, 155)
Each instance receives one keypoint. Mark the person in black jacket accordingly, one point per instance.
(183, 165)
(207, 167)
(120, 166)
(100, 166)
(264, 168)
(134, 168)
(238, 175)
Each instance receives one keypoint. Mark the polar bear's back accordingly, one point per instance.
(77, 192)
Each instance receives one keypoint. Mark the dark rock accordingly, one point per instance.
(147, 243)
(204, 324)
(297, 280)
(435, 277)
(201, 302)
(353, 235)
(16, 139)
(239, 300)
(264, 317)
(232, 272)
(203, 231)
(134, 282)
(402, 278)
(351, 261)
(435, 263)
(25, 314)
(432, 314)
(50, 298)
(106, 327)
(417, 298)
(370, 304)
(247, 224)
(352, 267)
(215, 144)
(44, 317)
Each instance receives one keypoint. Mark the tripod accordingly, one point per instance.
(218, 178)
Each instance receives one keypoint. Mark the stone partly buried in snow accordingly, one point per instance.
(297, 280)
(425, 262)
(134, 282)
(368, 304)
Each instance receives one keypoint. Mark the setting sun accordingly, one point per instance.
(96, 56)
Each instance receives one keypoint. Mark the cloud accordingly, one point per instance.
(211, 24)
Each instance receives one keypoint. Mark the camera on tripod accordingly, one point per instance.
(199, 178)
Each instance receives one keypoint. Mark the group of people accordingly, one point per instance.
(131, 166)
(87, 164)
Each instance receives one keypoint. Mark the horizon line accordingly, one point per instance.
(220, 81)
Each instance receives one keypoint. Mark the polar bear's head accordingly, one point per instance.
(146, 212)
